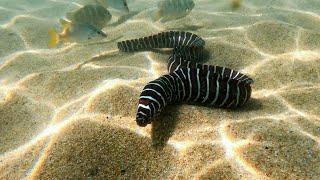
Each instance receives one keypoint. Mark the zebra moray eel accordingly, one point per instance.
(175, 62)
(188, 81)
(171, 39)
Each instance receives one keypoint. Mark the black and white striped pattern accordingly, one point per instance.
(194, 53)
(188, 81)
(191, 85)
(170, 39)
(176, 62)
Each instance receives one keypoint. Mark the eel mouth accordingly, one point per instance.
(142, 121)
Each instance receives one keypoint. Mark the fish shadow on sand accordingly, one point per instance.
(124, 18)
(163, 126)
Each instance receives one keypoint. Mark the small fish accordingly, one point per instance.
(236, 4)
(120, 5)
(95, 15)
(75, 33)
(174, 9)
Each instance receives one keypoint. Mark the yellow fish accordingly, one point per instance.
(236, 4)
(75, 33)
(95, 15)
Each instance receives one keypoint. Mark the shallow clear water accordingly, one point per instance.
(70, 111)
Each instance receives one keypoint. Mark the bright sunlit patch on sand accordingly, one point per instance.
(263, 93)
(315, 138)
(48, 132)
(150, 24)
(227, 143)
(77, 4)
(16, 55)
(292, 109)
(16, 18)
(181, 145)
(105, 53)
(255, 66)
(55, 128)
(108, 84)
(301, 87)
(52, 129)
(231, 148)
(306, 55)
(93, 66)
(228, 28)
(154, 64)
(142, 132)
(304, 133)
(300, 11)
(275, 117)
(230, 13)
(6, 89)
(12, 21)
(105, 85)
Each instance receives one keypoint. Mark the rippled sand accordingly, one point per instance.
(70, 111)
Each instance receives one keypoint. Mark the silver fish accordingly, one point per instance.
(95, 15)
(120, 5)
(75, 33)
(174, 9)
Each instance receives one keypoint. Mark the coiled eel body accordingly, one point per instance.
(187, 81)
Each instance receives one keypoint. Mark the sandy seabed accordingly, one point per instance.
(69, 112)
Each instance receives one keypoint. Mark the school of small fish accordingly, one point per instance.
(86, 23)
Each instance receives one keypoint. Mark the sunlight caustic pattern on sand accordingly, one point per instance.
(70, 111)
